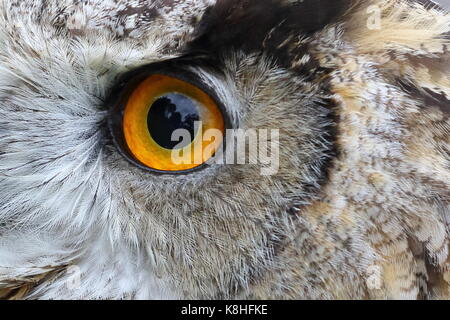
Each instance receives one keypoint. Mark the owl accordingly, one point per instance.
(224, 149)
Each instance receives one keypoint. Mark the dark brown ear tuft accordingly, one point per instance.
(246, 24)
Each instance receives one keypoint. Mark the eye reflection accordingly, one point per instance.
(169, 113)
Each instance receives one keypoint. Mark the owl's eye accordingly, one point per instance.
(165, 124)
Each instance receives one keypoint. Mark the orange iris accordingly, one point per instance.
(158, 108)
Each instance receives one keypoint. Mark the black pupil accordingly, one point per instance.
(169, 113)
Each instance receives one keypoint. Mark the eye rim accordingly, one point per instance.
(121, 92)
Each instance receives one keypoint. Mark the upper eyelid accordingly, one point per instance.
(180, 68)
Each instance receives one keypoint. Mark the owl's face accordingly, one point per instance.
(91, 93)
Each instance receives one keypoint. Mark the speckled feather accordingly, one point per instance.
(364, 171)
